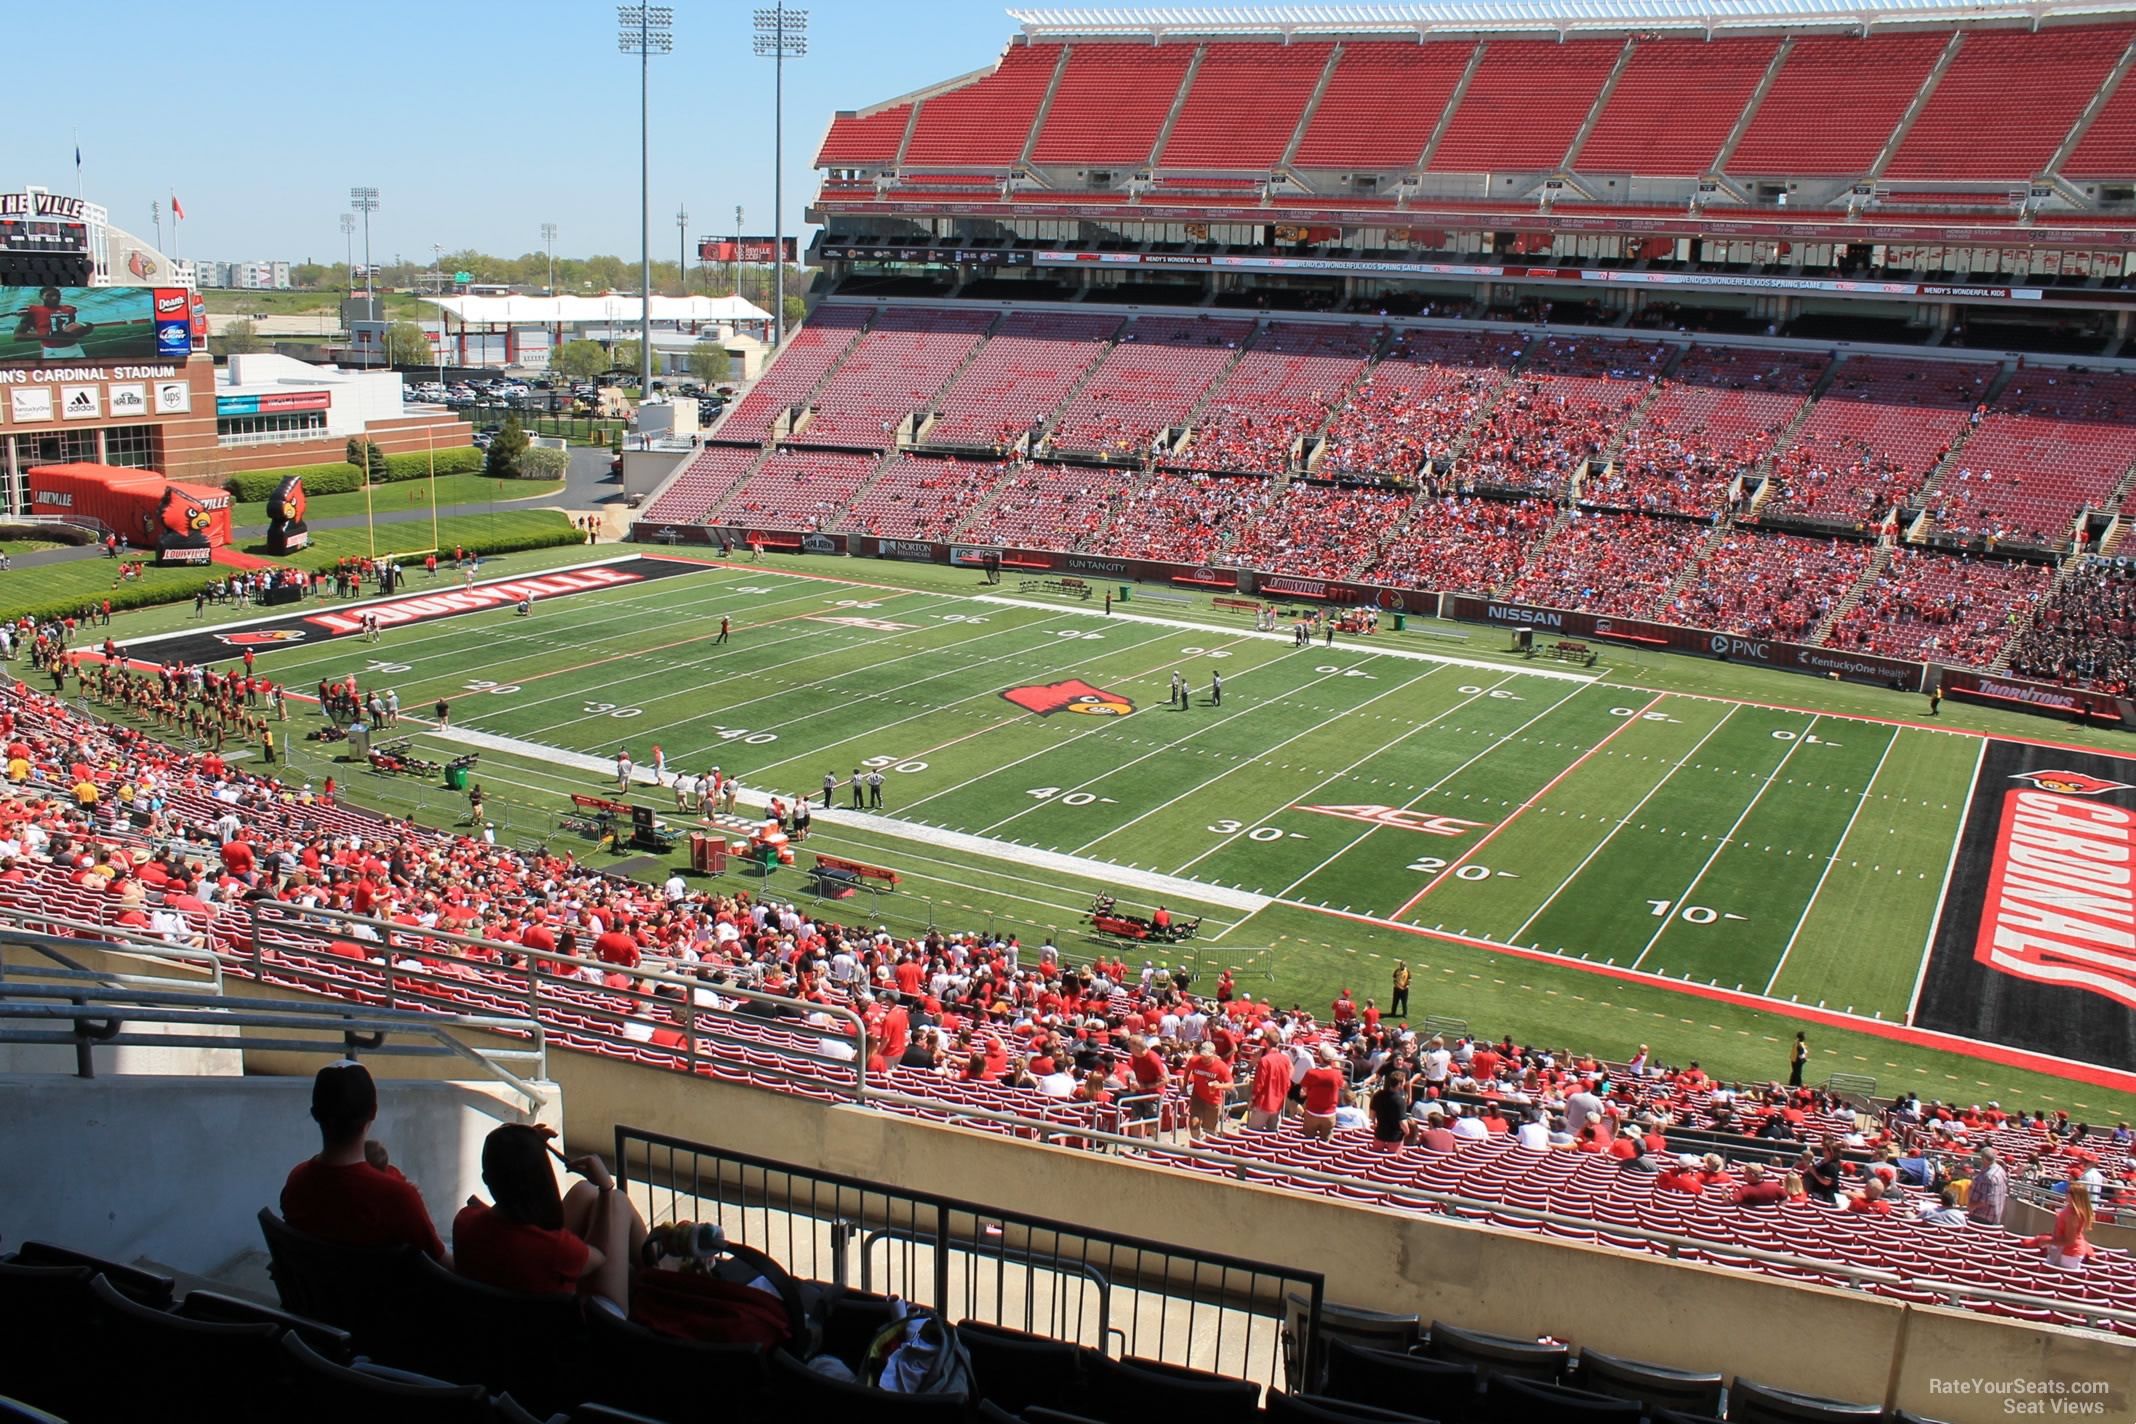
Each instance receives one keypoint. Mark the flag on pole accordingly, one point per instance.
(177, 211)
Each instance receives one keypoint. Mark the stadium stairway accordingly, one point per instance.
(1045, 427)
(1933, 485)
(1695, 566)
(1878, 563)
(2031, 613)
(1920, 102)
(1749, 116)
(1632, 419)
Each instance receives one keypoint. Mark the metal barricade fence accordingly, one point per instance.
(1125, 1296)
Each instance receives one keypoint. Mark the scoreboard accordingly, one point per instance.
(19, 234)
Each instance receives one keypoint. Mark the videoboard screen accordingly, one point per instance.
(42, 235)
(39, 325)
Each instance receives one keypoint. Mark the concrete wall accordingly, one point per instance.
(1841, 1344)
(176, 1169)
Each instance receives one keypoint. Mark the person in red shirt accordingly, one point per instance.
(535, 1241)
(1271, 1088)
(1758, 1188)
(1151, 1078)
(613, 946)
(1323, 1085)
(1208, 1085)
(350, 1193)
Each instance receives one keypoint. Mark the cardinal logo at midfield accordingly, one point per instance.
(1074, 695)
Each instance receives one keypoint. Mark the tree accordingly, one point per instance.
(408, 345)
(623, 356)
(236, 339)
(708, 362)
(508, 449)
(796, 308)
(579, 360)
(367, 457)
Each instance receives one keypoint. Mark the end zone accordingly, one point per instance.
(307, 626)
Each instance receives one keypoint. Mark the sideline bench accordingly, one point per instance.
(594, 816)
(1238, 605)
(1056, 588)
(1570, 650)
(837, 875)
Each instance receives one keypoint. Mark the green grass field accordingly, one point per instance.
(452, 490)
(1408, 795)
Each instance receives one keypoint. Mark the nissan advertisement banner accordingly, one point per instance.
(1735, 647)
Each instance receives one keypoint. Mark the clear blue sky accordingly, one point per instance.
(476, 123)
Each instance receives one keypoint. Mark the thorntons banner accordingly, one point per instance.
(2039, 697)
(1766, 652)
(2035, 947)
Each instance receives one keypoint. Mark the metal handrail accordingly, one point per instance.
(1043, 1130)
(66, 1001)
(859, 1092)
(109, 939)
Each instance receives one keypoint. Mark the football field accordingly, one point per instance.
(1031, 752)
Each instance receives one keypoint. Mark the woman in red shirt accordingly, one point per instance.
(538, 1242)
(2068, 1246)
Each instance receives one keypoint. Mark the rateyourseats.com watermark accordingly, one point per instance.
(2076, 1398)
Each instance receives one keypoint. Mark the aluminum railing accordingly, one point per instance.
(838, 1073)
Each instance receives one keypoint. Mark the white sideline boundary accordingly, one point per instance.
(1155, 882)
(1372, 646)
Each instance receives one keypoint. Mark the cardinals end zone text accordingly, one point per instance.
(2058, 907)
(469, 600)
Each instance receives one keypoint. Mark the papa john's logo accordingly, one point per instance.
(1075, 695)
(2069, 783)
(259, 637)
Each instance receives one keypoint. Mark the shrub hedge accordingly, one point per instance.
(253, 486)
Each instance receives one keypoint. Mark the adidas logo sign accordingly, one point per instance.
(82, 401)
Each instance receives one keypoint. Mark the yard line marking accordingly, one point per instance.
(1943, 896)
(1410, 654)
(1463, 859)
(1177, 742)
(1496, 743)
(981, 697)
(905, 857)
(1801, 740)
(690, 664)
(1170, 886)
(1625, 820)
(1151, 671)
(1325, 782)
(1832, 860)
(1327, 721)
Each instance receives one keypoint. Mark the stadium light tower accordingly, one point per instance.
(348, 250)
(548, 237)
(645, 30)
(782, 34)
(682, 248)
(365, 201)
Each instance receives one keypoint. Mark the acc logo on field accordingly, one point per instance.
(260, 636)
(2069, 783)
(1074, 695)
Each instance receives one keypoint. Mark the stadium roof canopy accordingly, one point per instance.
(566, 311)
(1553, 16)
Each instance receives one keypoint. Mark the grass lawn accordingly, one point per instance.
(415, 535)
(406, 494)
(12, 547)
(1410, 795)
(90, 579)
